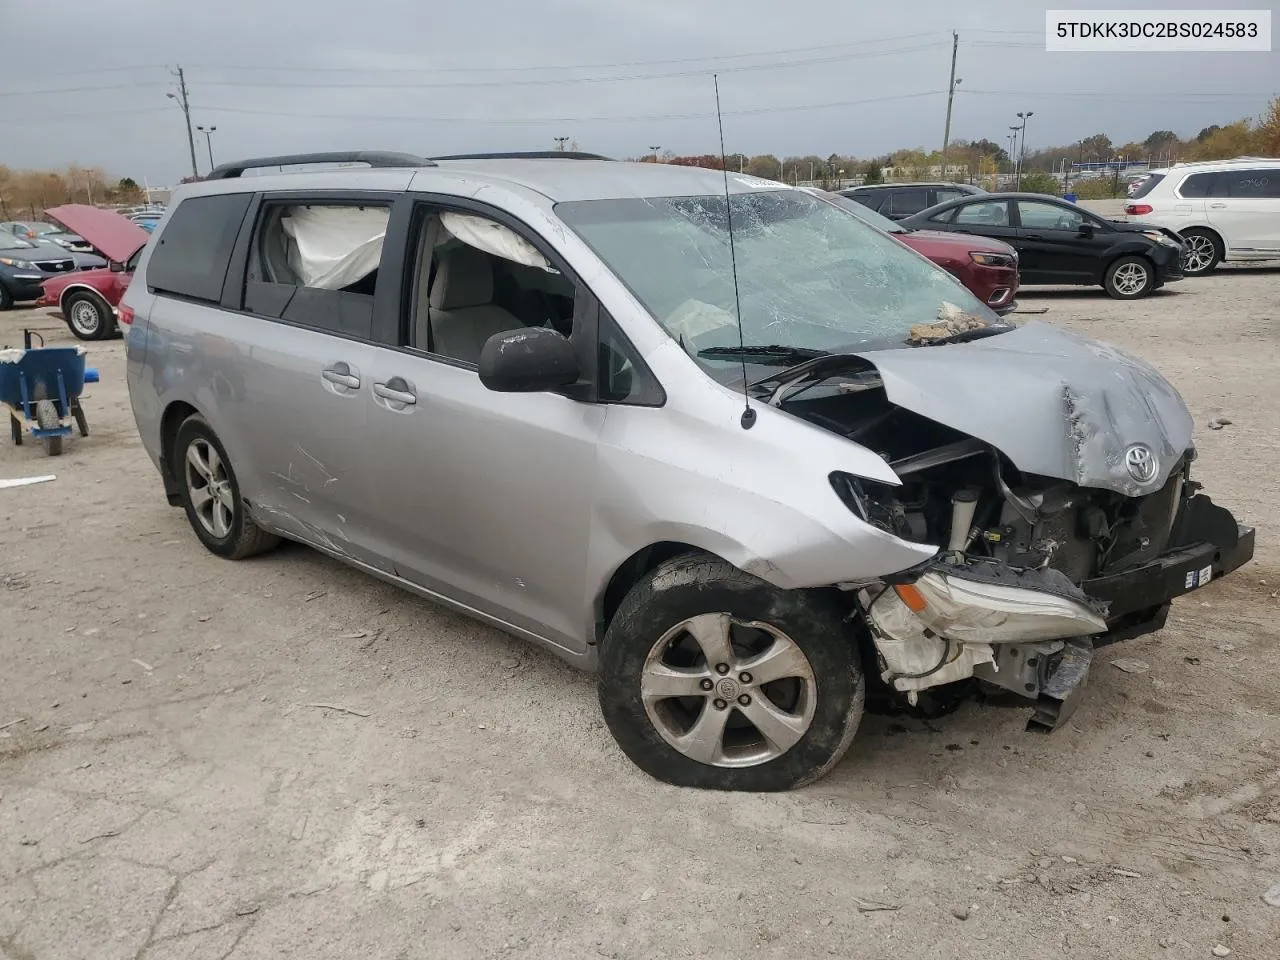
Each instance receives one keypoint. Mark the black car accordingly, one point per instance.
(899, 200)
(23, 267)
(1061, 243)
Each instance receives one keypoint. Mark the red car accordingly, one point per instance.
(88, 298)
(987, 267)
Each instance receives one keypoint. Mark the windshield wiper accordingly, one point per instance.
(766, 353)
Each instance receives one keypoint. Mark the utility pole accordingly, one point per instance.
(184, 103)
(951, 93)
(560, 142)
(654, 150)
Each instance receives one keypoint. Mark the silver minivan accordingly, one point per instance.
(749, 458)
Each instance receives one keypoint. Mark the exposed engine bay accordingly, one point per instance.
(1032, 571)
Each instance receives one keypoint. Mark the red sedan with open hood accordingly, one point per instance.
(88, 298)
(988, 267)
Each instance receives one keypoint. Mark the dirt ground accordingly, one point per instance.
(173, 790)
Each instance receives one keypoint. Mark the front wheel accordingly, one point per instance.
(1129, 278)
(712, 678)
(88, 316)
(211, 495)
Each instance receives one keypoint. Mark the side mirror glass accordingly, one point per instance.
(528, 360)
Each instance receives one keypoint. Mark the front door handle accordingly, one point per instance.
(396, 390)
(1218, 206)
(343, 375)
(1032, 236)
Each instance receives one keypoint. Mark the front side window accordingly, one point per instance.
(476, 277)
(193, 252)
(1037, 215)
(810, 276)
(316, 264)
(1253, 183)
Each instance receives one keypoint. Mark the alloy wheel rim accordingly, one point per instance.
(728, 692)
(1199, 254)
(209, 488)
(84, 317)
(1130, 278)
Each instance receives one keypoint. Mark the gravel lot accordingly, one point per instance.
(172, 789)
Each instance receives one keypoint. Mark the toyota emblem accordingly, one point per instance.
(1141, 463)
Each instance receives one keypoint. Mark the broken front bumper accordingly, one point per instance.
(1033, 632)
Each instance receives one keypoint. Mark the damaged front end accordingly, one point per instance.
(1034, 569)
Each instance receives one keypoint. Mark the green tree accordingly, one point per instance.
(1267, 136)
(872, 173)
(1097, 148)
(1037, 181)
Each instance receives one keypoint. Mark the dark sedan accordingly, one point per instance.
(1061, 243)
(24, 267)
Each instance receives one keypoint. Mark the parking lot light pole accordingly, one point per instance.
(208, 141)
(1022, 151)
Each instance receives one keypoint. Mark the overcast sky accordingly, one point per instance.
(859, 78)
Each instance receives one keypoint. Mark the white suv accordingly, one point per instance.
(1224, 209)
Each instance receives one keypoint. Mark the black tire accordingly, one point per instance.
(1120, 275)
(6, 298)
(47, 419)
(93, 317)
(243, 538)
(696, 584)
(77, 412)
(1204, 252)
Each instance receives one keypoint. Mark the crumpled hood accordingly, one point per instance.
(1056, 404)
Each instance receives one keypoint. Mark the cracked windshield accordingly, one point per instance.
(812, 279)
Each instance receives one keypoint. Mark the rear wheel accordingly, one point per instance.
(1203, 254)
(88, 316)
(1129, 278)
(712, 678)
(211, 496)
(6, 298)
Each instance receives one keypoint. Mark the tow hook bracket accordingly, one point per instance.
(1063, 689)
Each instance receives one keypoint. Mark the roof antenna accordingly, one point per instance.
(748, 414)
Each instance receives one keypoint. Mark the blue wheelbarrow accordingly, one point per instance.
(40, 388)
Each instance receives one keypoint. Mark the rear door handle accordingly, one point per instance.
(1032, 236)
(1218, 206)
(343, 375)
(396, 390)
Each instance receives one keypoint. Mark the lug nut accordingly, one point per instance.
(745, 677)
(744, 700)
(722, 668)
(719, 704)
(705, 684)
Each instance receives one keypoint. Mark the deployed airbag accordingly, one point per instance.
(333, 247)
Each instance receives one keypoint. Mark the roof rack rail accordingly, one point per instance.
(526, 155)
(374, 158)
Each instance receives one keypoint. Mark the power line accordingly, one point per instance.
(93, 89)
(1112, 96)
(554, 81)
(579, 66)
(57, 117)
(548, 120)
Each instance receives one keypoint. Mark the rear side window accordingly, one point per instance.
(872, 199)
(1146, 186)
(192, 253)
(903, 203)
(316, 264)
(942, 196)
(989, 213)
(1200, 185)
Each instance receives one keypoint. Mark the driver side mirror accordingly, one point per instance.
(528, 360)
(115, 267)
(1086, 230)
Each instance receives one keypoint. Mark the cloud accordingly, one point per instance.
(297, 75)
